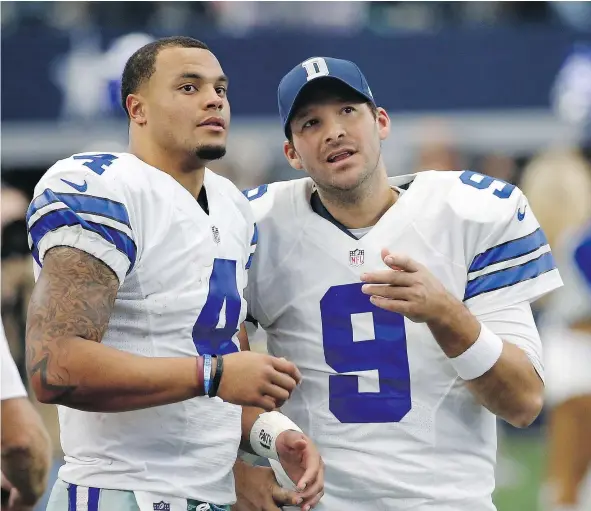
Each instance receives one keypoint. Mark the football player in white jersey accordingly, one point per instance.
(404, 302)
(140, 264)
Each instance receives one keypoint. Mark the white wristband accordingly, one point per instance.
(265, 431)
(479, 357)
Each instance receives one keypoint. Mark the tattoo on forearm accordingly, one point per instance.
(73, 297)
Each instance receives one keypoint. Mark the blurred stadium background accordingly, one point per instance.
(495, 87)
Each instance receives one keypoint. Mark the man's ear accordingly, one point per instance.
(292, 155)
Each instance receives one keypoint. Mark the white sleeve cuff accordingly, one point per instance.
(77, 237)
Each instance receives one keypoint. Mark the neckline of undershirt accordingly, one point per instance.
(358, 233)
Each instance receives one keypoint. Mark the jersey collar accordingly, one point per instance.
(401, 182)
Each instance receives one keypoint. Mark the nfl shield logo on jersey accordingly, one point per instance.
(356, 257)
(216, 234)
(161, 506)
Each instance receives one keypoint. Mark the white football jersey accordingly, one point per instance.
(182, 275)
(395, 425)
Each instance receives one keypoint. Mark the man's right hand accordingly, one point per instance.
(256, 379)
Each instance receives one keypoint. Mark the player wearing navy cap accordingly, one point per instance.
(404, 302)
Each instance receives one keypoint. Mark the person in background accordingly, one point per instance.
(26, 449)
(558, 184)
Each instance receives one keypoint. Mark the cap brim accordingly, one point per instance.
(317, 81)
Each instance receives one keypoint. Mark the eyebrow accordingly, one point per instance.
(195, 76)
(301, 114)
(307, 111)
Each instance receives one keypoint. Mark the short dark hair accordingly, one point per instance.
(140, 65)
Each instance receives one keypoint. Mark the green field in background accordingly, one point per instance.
(521, 468)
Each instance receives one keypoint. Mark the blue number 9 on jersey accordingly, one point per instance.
(482, 182)
(386, 353)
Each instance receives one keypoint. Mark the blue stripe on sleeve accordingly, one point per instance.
(249, 262)
(65, 217)
(35, 254)
(81, 204)
(509, 276)
(509, 250)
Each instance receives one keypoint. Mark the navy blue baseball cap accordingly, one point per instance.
(294, 82)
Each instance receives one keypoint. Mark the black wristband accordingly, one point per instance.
(215, 384)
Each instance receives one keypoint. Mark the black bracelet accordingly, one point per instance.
(215, 384)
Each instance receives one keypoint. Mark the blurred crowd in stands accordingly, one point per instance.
(241, 18)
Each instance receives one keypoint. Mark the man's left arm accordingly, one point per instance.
(488, 351)
(512, 388)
